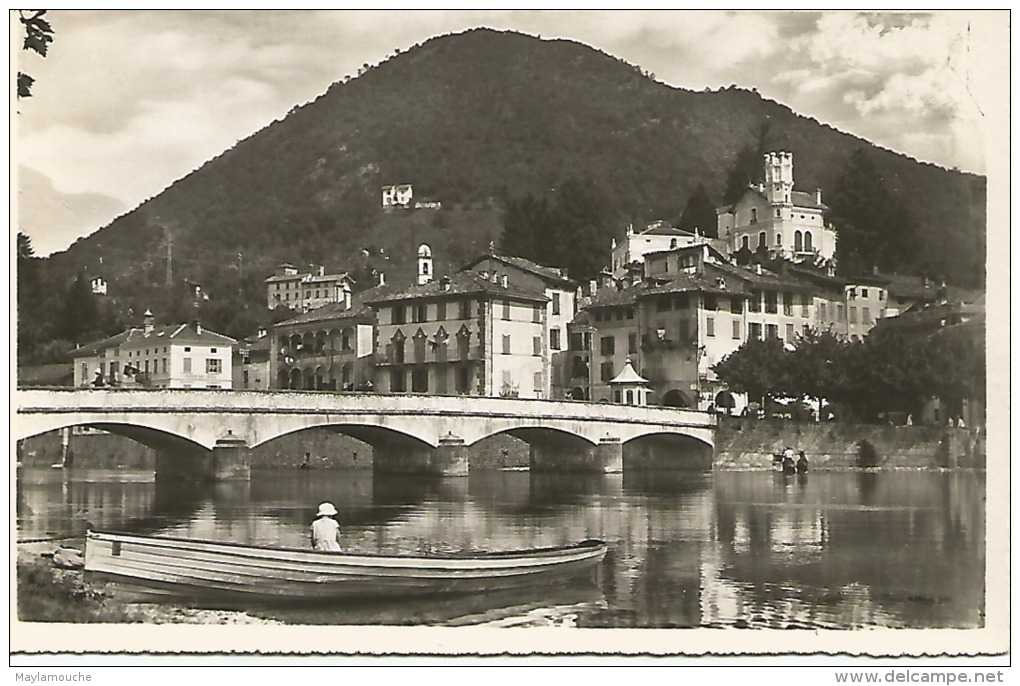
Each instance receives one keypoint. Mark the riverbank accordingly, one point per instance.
(47, 593)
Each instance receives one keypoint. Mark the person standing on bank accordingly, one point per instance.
(325, 530)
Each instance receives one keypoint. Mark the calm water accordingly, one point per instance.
(745, 549)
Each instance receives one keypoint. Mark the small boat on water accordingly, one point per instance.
(199, 569)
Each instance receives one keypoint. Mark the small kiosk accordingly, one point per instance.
(629, 388)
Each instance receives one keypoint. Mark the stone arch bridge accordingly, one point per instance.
(209, 433)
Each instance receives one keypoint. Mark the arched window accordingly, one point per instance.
(807, 241)
(672, 243)
(754, 215)
(762, 240)
(798, 241)
(779, 239)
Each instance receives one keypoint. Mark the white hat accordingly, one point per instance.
(326, 509)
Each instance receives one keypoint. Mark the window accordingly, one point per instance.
(212, 366)
(619, 315)
(711, 302)
(616, 396)
(419, 347)
(536, 346)
(607, 371)
(538, 384)
(779, 213)
(420, 381)
(607, 346)
(771, 300)
(397, 381)
(465, 309)
(212, 350)
(536, 314)
(598, 316)
(632, 343)
(807, 241)
(798, 241)
(754, 216)
(244, 378)
(821, 310)
(464, 380)
(754, 302)
(744, 243)
(463, 346)
(853, 315)
(630, 313)
(441, 311)
(164, 365)
(506, 344)
(789, 333)
(398, 315)
(187, 365)
(555, 303)
(779, 236)
(771, 331)
(788, 304)
(864, 292)
(554, 339)
(736, 329)
(839, 312)
(866, 315)
(736, 306)
(754, 331)
(710, 326)
(881, 294)
(147, 366)
(397, 346)
(187, 349)
(804, 307)
(577, 341)
(421, 312)
(762, 240)
(506, 309)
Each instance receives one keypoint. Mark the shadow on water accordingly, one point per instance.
(663, 482)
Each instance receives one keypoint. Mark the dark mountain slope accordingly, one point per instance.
(474, 119)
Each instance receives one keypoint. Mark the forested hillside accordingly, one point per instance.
(479, 121)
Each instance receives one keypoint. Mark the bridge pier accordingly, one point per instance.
(229, 460)
(449, 459)
(604, 458)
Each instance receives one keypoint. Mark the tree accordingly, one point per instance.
(758, 367)
(876, 229)
(80, 315)
(38, 36)
(699, 214)
(747, 168)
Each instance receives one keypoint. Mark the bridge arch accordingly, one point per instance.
(374, 434)
(658, 449)
(537, 434)
(147, 433)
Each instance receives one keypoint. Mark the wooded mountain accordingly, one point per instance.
(475, 120)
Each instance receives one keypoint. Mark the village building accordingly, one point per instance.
(467, 334)
(775, 218)
(304, 291)
(251, 367)
(98, 285)
(398, 195)
(561, 292)
(173, 356)
(328, 348)
(629, 254)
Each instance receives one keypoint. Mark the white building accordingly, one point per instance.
(399, 195)
(306, 291)
(778, 219)
(174, 356)
(656, 237)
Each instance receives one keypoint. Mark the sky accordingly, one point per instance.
(127, 102)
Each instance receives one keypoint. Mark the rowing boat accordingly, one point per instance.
(199, 568)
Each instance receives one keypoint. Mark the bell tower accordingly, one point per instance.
(424, 264)
(779, 177)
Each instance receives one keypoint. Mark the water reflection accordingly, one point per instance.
(901, 549)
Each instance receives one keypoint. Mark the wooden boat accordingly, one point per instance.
(198, 569)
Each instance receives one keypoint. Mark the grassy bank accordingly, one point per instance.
(50, 594)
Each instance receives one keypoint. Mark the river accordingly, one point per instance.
(721, 549)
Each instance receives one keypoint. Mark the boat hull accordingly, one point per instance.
(202, 569)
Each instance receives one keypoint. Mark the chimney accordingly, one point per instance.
(444, 283)
(382, 279)
(347, 296)
(818, 196)
(504, 281)
(494, 277)
(593, 287)
(757, 268)
(148, 322)
(322, 270)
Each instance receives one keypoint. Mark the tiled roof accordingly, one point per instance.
(550, 275)
(460, 283)
(766, 279)
(608, 297)
(178, 333)
(808, 200)
(704, 283)
(663, 230)
(336, 311)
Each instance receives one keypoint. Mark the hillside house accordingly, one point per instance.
(399, 195)
(304, 291)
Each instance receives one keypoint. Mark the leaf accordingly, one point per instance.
(25, 85)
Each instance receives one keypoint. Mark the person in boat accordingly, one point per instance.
(325, 530)
(788, 465)
(801, 463)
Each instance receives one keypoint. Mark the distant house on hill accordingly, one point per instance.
(399, 195)
(776, 218)
(304, 291)
(172, 356)
(656, 236)
(98, 285)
